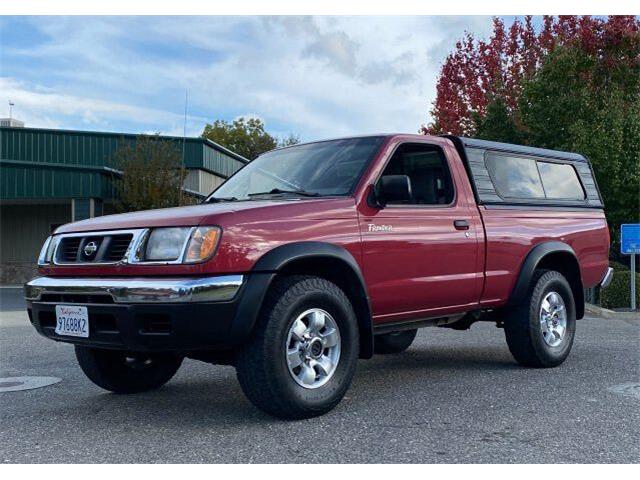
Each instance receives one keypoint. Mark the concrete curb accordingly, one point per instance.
(605, 313)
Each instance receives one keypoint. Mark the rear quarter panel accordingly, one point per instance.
(512, 232)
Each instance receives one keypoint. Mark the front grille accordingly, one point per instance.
(68, 249)
(94, 248)
(117, 248)
(90, 249)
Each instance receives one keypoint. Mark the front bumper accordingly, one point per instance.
(139, 314)
(139, 290)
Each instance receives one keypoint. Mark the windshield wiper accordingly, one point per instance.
(278, 191)
(221, 199)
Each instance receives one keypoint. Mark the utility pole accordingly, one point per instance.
(11, 104)
(633, 282)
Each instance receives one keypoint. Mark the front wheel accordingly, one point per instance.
(123, 372)
(302, 355)
(540, 331)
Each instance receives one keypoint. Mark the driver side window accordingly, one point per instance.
(428, 172)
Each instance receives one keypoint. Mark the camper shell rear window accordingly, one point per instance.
(524, 177)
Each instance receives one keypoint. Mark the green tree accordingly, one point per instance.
(246, 137)
(576, 103)
(152, 174)
(557, 97)
(572, 84)
(498, 124)
(289, 140)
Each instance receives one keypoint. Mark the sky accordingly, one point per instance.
(315, 77)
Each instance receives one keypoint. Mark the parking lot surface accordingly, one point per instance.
(452, 397)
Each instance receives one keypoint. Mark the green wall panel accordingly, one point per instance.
(81, 209)
(20, 240)
(18, 182)
(42, 163)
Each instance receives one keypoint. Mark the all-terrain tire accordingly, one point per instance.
(261, 363)
(122, 372)
(524, 329)
(396, 342)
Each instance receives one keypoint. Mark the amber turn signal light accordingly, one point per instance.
(203, 244)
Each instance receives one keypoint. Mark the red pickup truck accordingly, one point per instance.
(315, 255)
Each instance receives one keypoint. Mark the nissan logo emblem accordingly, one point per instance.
(90, 248)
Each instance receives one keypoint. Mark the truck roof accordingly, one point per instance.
(473, 143)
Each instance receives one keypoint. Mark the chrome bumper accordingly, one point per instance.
(140, 290)
(606, 280)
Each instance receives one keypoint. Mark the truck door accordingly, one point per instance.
(422, 257)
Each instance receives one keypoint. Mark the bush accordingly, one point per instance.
(618, 267)
(617, 294)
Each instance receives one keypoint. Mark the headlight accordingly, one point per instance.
(180, 244)
(165, 244)
(46, 252)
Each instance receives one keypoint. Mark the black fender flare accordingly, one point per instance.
(532, 261)
(277, 260)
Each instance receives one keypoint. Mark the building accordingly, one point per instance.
(52, 177)
(10, 122)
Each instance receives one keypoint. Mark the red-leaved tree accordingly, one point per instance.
(478, 72)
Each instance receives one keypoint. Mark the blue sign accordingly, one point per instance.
(630, 239)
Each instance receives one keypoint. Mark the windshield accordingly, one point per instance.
(314, 169)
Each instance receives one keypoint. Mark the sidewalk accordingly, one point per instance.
(605, 313)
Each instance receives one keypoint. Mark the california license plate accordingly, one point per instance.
(72, 321)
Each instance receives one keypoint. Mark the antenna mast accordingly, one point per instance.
(184, 127)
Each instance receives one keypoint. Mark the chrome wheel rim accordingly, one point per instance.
(313, 348)
(553, 319)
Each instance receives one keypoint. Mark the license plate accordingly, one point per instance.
(72, 321)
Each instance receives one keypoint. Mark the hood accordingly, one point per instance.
(217, 214)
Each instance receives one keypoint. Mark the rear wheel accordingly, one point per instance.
(302, 355)
(123, 372)
(396, 342)
(540, 331)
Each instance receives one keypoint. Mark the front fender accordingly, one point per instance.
(285, 257)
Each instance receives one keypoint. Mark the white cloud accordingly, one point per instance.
(318, 77)
(46, 108)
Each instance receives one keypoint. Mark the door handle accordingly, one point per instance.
(461, 224)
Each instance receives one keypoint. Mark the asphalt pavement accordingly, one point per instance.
(11, 299)
(452, 397)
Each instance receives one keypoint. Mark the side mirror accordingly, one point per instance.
(392, 188)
